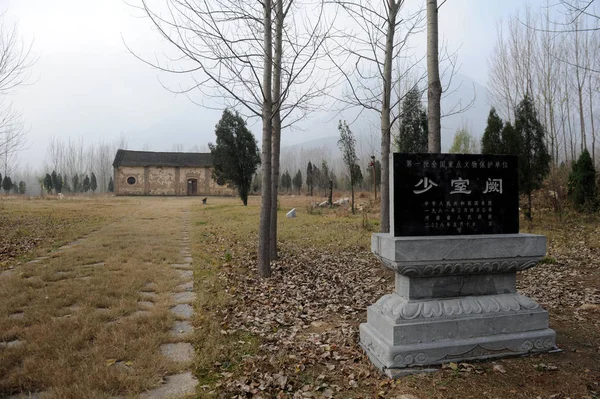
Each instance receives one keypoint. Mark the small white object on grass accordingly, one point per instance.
(291, 214)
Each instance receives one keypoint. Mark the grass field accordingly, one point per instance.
(71, 329)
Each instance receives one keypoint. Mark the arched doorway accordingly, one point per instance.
(192, 186)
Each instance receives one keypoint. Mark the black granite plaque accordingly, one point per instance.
(455, 194)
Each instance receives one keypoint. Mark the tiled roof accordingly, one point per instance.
(148, 158)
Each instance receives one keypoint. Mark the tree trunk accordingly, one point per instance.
(276, 134)
(264, 265)
(385, 118)
(579, 90)
(374, 179)
(434, 91)
(582, 118)
(530, 212)
(352, 189)
(592, 120)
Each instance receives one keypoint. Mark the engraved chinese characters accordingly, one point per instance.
(448, 194)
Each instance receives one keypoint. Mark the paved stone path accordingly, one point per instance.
(181, 351)
(11, 271)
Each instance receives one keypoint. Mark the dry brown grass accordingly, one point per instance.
(81, 324)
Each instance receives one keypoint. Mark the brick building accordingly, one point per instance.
(165, 173)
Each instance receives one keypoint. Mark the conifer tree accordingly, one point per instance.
(76, 185)
(58, 184)
(347, 145)
(534, 160)
(22, 187)
(48, 183)
(6, 184)
(582, 183)
(55, 183)
(412, 135)
(93, 183)
(111, 185)
(309, 178)
(235, 154)
(297, 182)
(511, 140)
(491, 142)
(286, 181)
(66, 188)
(86, 184)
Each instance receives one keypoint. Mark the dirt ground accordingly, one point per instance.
(66, 326)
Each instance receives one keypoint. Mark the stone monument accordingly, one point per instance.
(455, 248)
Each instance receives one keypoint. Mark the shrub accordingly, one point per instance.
(582, 184)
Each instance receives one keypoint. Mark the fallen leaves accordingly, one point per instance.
(307, 314)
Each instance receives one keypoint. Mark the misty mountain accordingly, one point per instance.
(316, 137)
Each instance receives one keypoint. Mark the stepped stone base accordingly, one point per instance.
(455, 300)
(456, 330)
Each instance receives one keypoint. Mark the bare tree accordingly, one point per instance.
(177, 148)
(13, 137)
(229, 46)
(264, 252)
(16, 59)
(365, 59)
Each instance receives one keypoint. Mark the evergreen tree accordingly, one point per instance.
(324, 176)
(297, 182)
(316, 172)
(15, 188)
(491, 142)
(76, 185)
(86, 184)
(93, 183)
(48, 183)
(111, 185)
(235, 155)
(463, 142)
(511, 140)
(582, 183)
(534, 160)
(412, 135)
(309, 178)
(55, 183)
(347, 145)
(286, 181)
(6, 184)
(66, 188)
(358, 176)
(22, 187)
(58, 185)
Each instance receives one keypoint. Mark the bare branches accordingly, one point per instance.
(218, 45)
(16, 59)
(359, 54)
(15, 62)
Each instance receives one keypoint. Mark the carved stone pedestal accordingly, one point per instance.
(455, 300)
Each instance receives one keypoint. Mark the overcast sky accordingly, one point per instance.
(86, 83)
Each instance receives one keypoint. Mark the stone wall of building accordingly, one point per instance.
(156, 180)
(122, 187)
(161, 180)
